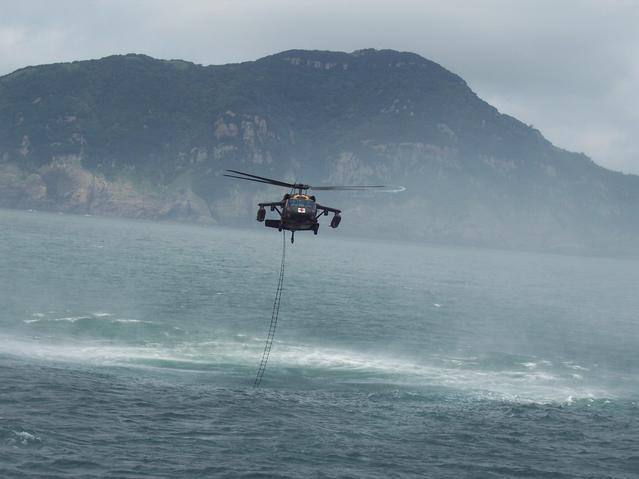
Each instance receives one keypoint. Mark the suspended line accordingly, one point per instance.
(274, 316)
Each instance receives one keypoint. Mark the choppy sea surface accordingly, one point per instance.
(129, 349)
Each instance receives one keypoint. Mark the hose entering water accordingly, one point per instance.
(274, 316)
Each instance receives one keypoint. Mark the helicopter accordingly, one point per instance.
(298, 210)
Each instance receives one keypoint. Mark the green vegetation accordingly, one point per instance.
(170, 127)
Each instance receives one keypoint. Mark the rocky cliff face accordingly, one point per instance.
(138, 137)
(65, 186)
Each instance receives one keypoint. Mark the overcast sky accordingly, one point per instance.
(570, 67)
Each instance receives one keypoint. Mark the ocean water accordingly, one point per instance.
(129, 349)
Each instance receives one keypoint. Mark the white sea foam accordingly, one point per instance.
(571, 365)
(528, 386)
(532, 385)
(70, 319)
(40, 318)
(131, 321)
(24, 437)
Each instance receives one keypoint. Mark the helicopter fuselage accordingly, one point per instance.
(298, 212)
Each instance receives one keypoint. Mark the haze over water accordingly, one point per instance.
(128, 349)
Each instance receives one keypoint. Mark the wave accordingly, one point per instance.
(22, 438)
(100, 316)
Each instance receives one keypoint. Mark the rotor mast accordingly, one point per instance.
(301, 188)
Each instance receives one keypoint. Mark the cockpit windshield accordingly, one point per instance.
(307, 205)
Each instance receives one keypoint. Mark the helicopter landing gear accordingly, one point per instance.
(292, 237)
(315, 228)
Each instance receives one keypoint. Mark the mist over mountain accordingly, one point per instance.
(145, 138)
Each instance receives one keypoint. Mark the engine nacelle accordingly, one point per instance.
(335, 221)
(261, 214)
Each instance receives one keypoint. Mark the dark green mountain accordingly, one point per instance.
(135, 136)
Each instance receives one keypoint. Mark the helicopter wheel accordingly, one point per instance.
(315, 228)
(292, 237)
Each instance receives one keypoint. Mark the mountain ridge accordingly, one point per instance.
(136, 136)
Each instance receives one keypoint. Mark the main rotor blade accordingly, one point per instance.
(377, 188)
(249, 179)
(346, 188)
(264, 180)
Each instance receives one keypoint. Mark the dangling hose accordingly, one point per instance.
(274, 316)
